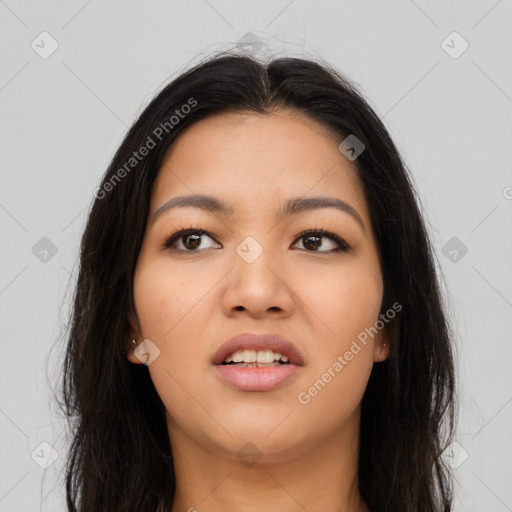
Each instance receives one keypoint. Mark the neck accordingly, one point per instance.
(322, 478)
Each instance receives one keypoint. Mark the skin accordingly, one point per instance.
(189, 303)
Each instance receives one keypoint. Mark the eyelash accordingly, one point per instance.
(343, 246)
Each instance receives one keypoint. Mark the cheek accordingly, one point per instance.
(335, 395)
(349, 305)
(163, 298)
(165, 302)
(345, 302)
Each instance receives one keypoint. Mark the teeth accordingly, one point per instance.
(253, 356)
(265, 356)
(257, 365)
(249, 356)
(237, 357)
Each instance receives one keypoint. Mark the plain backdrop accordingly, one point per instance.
(74, 75)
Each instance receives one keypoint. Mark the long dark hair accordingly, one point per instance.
(120, 456)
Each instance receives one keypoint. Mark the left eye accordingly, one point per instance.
(313, 239)
(191, 240)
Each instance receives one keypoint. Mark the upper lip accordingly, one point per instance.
(252, 341)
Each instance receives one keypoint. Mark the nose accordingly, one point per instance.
(258, 284)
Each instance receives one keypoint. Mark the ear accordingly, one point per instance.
(135, 334)
(382, 345)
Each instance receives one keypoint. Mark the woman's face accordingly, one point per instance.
(252, 273)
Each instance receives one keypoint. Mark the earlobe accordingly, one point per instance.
(134, 335)
(381, 352)
(130, 354)
(382, 346)
(384, 351)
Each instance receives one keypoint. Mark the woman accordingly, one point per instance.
(257, 323)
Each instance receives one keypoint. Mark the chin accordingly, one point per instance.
(268, 446)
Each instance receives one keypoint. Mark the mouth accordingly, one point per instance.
(257, 362)
(256, 359)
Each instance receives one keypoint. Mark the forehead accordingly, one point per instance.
(253, 160)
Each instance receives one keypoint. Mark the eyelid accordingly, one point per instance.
(170, 240)
(343, 246)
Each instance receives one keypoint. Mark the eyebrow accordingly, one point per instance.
(292, 206)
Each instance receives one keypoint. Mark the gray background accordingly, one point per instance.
(64, 115)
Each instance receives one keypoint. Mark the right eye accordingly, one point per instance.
(190, 239)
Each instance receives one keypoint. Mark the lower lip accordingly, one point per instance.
(256, 379)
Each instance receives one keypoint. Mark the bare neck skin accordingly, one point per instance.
(323, 478)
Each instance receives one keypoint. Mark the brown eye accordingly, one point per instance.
(312, 240)
(188, 240)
